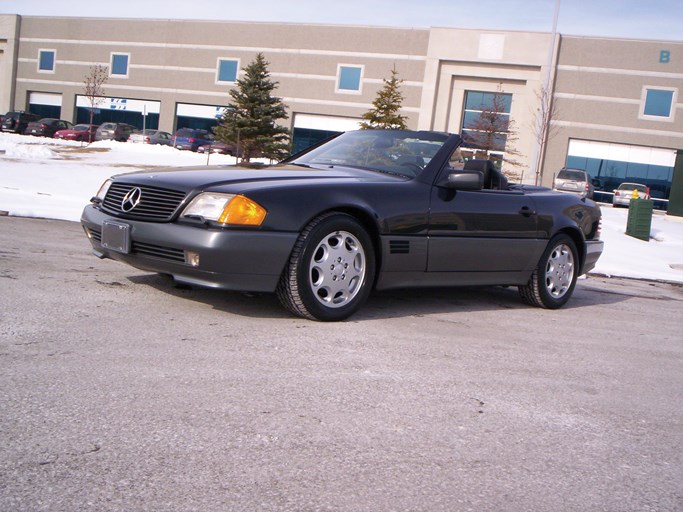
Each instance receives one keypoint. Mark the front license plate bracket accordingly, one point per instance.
(116, 236)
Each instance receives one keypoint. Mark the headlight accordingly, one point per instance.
(226, 209)
(99, 197)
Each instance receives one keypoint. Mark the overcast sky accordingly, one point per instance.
(637, 19)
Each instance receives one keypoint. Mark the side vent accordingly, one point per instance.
(399, 246)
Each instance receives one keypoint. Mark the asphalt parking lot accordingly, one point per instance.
(120, 391)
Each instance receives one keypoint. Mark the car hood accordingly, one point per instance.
(239, 179)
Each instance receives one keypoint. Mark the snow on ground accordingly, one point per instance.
(55, 179)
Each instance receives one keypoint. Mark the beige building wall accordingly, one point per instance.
(475, 60)
(9, 39)
(600, 93)
(175, 61)
(599, 84)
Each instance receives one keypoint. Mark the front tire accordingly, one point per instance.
(552, 282)
(331, 269)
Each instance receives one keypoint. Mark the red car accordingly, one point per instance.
(83, 132)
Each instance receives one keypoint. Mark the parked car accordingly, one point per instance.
(574, 181)
(47, 127)
(361, 211)
(624, 193)
(151, 137)
(217, 147)
(18, 121)
(114, 131)
(81, 132)
(187, 138)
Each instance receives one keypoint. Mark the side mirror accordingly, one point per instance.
(473, 180)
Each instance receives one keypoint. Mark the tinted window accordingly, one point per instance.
(486, 120)
(185, 133)
(398, 152)
(567, 174)
(632, 186)
(349, 78)
(227, 70)
(499, 102)
(119, 64)
(46, 60)
(658, 103)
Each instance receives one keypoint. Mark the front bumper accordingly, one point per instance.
(228, 259)
(594, 249)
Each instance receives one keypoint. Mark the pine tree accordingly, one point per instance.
(387, 105)
(249, 121)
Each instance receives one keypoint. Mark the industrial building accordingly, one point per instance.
(617, 111)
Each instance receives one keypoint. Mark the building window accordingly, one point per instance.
(227, 70)
(46, 61)
(349, 78)
(119, 64)
(658, 104)
(486, 121)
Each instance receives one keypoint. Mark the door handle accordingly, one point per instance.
(526, 211)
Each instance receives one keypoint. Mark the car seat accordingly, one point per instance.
(493, 178)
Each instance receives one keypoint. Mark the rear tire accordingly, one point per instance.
(331, 269)
(552, 282)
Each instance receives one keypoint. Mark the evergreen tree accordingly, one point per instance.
(387, 105)
(249, 121)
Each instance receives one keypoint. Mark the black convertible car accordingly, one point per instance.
(367, 209)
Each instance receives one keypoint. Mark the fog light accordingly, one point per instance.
(192, 258)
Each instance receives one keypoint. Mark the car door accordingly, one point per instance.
(482, 231)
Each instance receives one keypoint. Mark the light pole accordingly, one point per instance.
(546, 98)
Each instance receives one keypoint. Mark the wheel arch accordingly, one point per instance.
(579, 241)
(368, 221)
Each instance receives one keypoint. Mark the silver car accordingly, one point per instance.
(151, 137)
(114, 131)
(624, 193)
(574, 181)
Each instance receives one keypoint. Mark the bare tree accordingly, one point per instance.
(93, 90)
(492, 134)
(544, 129)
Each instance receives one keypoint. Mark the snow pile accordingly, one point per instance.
(625, 256)
(55, 179)
(27, 151)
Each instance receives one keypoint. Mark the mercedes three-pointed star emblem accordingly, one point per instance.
(131, 199)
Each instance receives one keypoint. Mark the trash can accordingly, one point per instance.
(639, 219)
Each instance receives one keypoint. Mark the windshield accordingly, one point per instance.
(566, 174)
(397, 152)
(633, 186)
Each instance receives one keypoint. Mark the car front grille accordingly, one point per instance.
(143, 249)
(158, 251)
(95, 234)
(156, 204)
